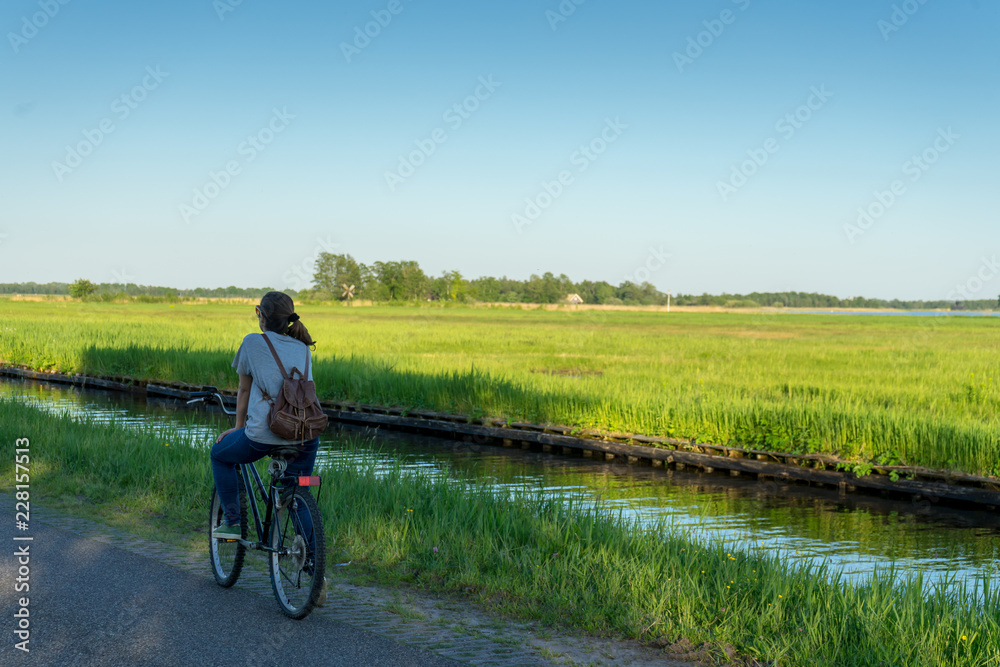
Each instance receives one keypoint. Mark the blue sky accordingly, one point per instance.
(706, 147)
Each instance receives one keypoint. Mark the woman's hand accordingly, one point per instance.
(223, 435)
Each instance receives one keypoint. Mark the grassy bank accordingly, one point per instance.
(911, 390)
(533, 558)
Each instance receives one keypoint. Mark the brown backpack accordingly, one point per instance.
(295, 413)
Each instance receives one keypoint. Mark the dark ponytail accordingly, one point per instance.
(280, 316)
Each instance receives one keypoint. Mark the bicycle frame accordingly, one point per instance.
(254, 485)
(269, 497)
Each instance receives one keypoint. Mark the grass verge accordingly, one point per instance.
(531, 557)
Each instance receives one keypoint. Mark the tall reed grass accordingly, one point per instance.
(919, 391)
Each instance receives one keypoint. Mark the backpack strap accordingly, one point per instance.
(276, 359)
(281, 367)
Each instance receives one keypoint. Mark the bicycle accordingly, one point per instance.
(291, 531)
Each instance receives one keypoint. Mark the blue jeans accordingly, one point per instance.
(237, 448)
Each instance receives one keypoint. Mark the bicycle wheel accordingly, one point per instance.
(298, 562)
(226, 555)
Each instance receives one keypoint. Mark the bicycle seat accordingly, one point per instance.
(285, 452)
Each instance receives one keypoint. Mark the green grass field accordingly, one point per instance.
(912, 390)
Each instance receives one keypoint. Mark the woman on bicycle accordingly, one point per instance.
(251, 439)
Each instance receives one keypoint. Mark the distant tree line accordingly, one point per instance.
(820, 301)
(405, 281)
(34, 288)
(83, 288)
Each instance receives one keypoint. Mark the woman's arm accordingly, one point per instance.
(243, 400)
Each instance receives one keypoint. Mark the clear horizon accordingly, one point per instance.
(841, 149)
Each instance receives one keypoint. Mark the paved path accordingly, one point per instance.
(100, 596)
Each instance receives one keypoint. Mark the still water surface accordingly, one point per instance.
(902, 313)
(853, 534)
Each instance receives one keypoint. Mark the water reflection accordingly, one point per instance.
(853, 533)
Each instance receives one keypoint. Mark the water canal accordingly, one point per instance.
(853, 533)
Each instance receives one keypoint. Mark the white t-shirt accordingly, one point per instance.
(254, 358)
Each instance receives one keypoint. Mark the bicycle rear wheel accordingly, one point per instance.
(226, 555)
(298, 562)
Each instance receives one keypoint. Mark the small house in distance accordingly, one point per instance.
(574, 299)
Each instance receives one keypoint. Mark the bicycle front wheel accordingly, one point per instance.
(297, 563)
(226, 555)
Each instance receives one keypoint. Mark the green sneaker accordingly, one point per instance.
(224, 532)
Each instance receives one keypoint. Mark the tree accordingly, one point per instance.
(389, 276)
(458, 287)
(603, 291)
(629, 293)
(332, 271)
(81, 288)
(414, 281)
(533, 291)
(553, 289)
(503, 290)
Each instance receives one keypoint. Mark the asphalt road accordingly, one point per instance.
(94, 604)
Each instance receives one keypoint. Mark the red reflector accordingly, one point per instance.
(309, 481)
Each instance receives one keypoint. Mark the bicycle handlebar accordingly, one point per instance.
(203, 396)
